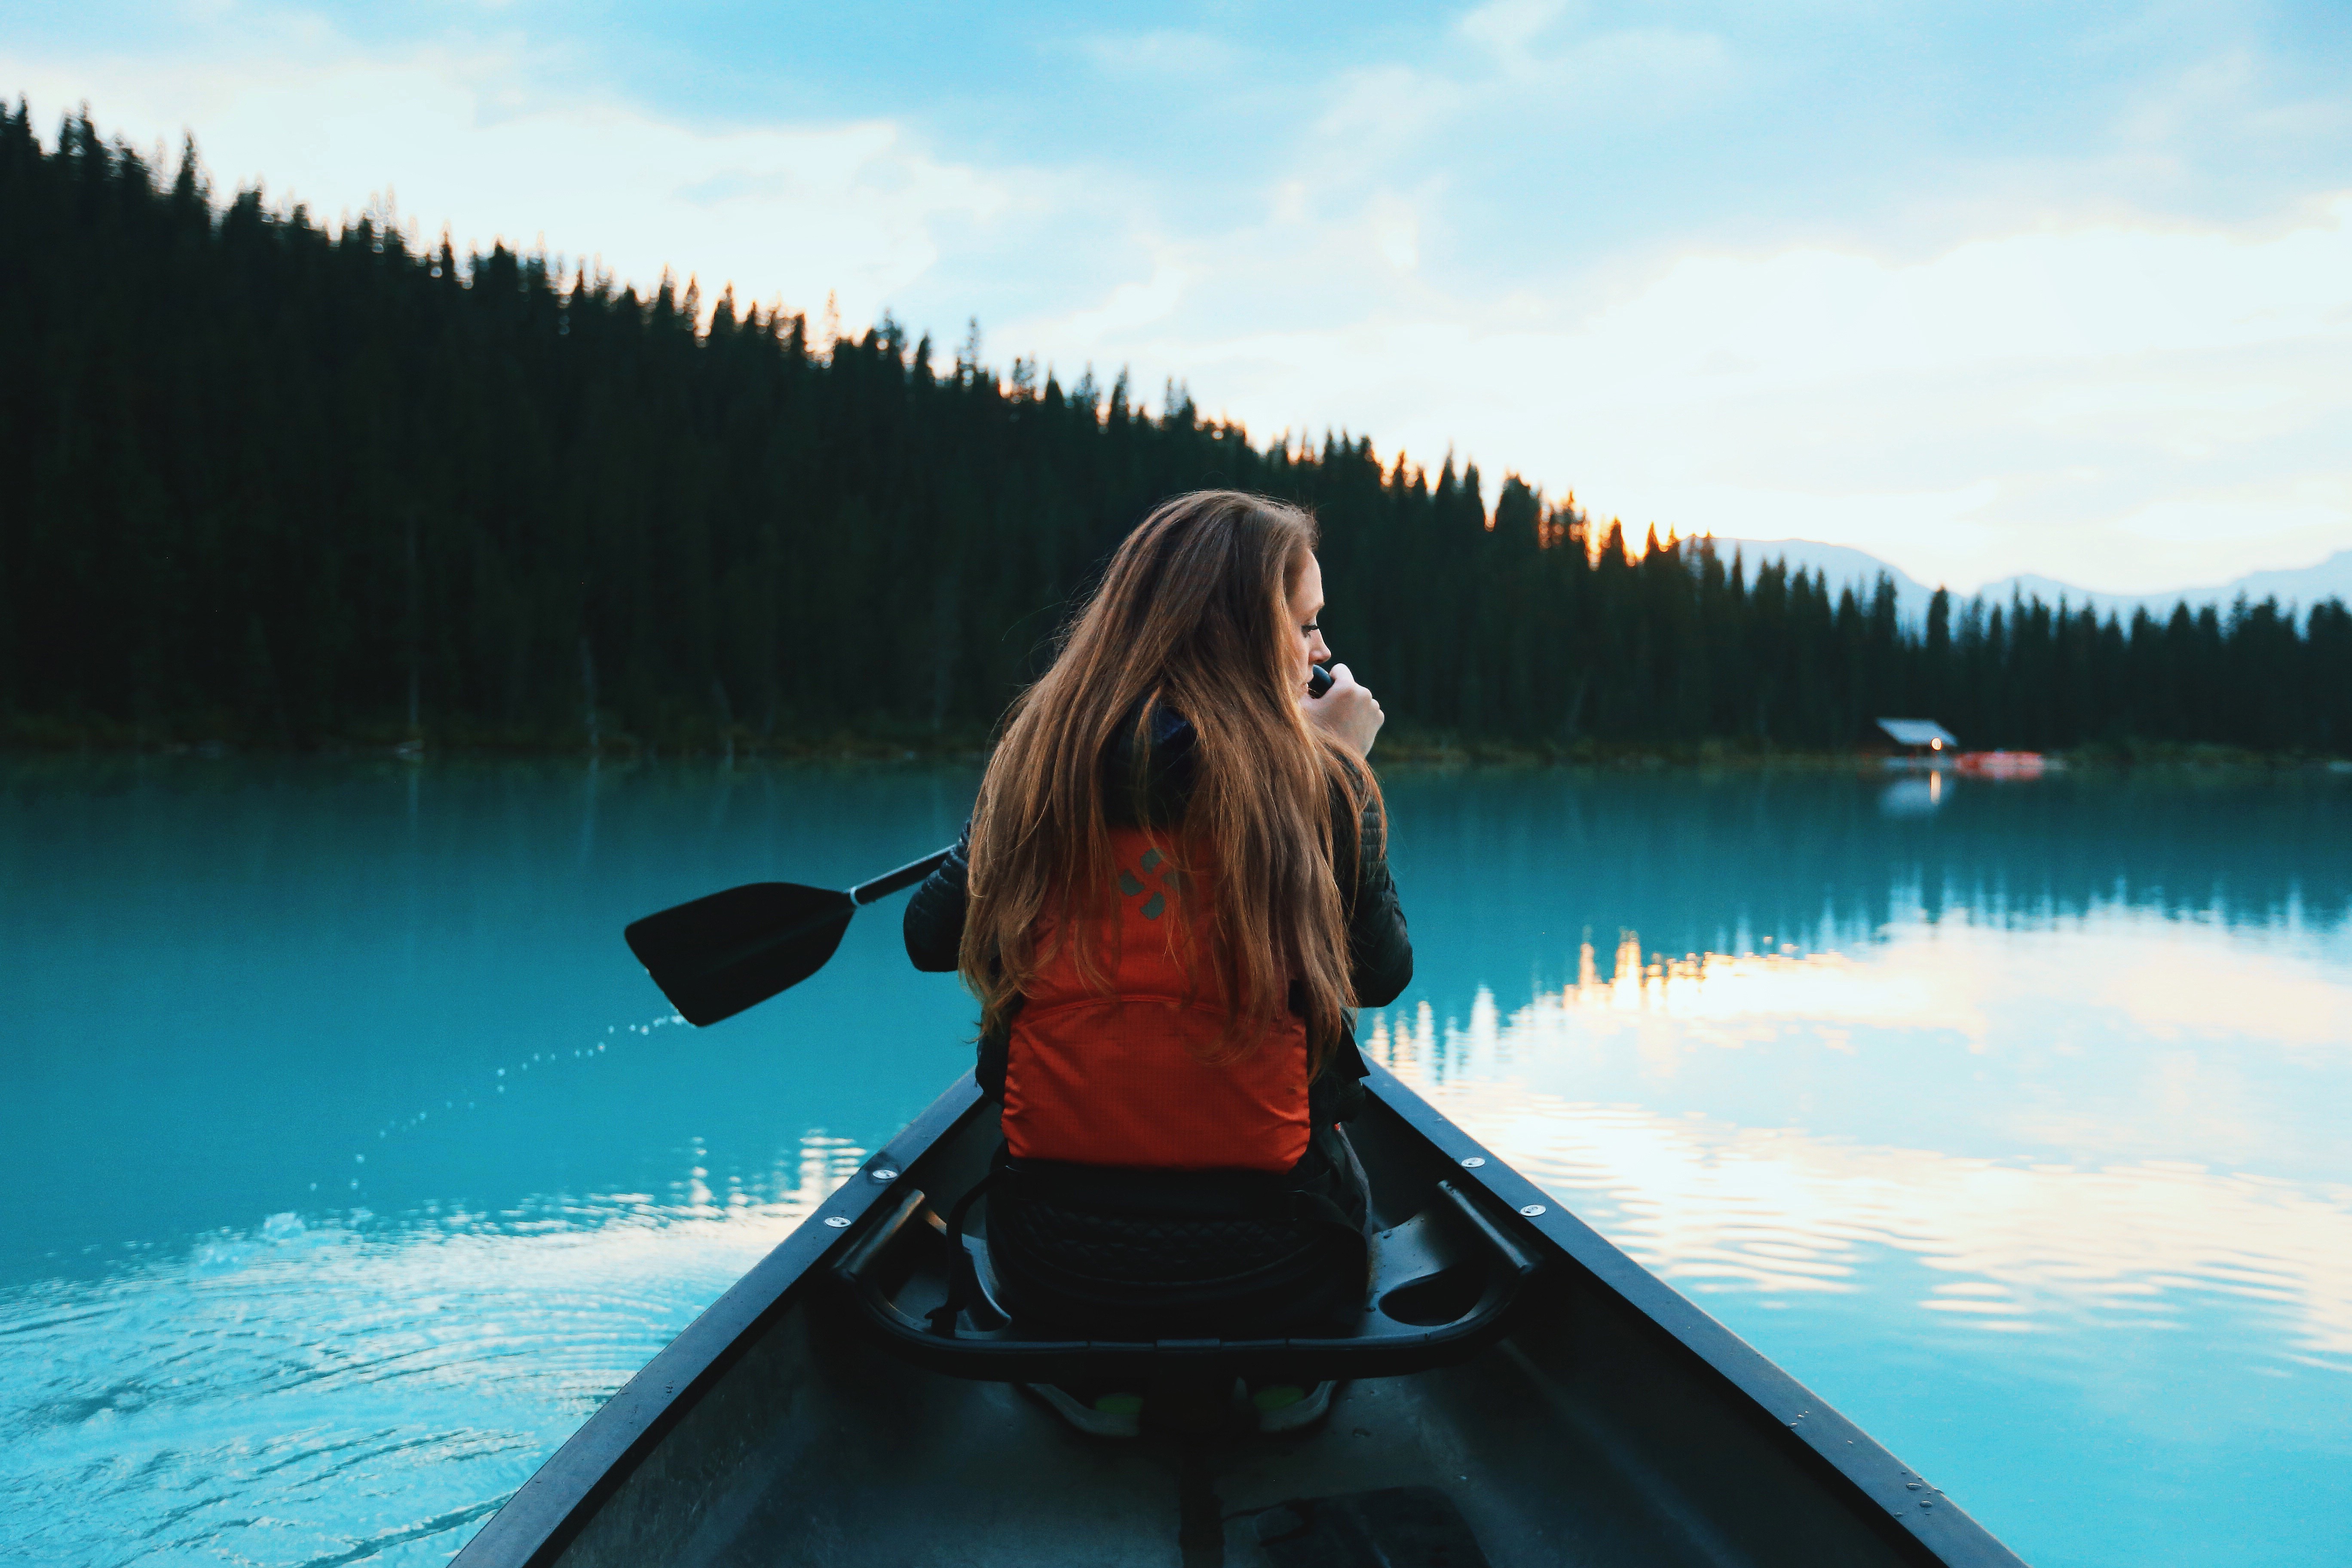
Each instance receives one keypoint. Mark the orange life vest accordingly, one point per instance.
(1120, 1079)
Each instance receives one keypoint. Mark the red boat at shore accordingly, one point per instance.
(2002, 764)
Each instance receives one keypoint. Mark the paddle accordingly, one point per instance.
(718, 955)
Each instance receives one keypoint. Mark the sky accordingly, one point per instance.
(1981, 289)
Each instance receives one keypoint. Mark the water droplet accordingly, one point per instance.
(1531, 1210)
(838, 1222)
(1473, 1162)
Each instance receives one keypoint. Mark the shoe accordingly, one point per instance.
(1105, 1414)
(1287, 1407)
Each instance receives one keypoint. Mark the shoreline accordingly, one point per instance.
(1418, 753)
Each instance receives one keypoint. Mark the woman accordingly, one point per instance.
(1171, 898)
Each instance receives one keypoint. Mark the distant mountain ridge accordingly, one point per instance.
(1844, 566)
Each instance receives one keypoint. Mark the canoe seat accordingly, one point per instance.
(1443, 1287)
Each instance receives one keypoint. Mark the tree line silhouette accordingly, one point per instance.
(279, 482)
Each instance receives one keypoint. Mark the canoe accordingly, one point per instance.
(1529, 1395)
(2003, 764)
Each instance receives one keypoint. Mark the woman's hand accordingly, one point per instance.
(1348, 713)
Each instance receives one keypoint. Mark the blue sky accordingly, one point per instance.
(1981, 289)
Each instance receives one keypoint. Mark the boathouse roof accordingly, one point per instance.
(1919, 732)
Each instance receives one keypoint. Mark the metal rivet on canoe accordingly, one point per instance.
(839, 1221)
(1474, 1162)
(1531, 1210)
(886, 1174)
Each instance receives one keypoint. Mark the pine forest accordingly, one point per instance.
(288, 484)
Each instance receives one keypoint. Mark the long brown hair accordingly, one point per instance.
(1190, 616)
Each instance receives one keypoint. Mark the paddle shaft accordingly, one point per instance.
(906, 875)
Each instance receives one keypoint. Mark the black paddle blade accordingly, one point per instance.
(715, 956)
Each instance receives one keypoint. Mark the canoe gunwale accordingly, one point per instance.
(1834, 1447)
(534, 1525)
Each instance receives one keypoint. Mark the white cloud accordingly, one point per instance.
(1396, 229)
(1128, 306)
(789, 212)
(2175, 398)
(1512, 88)
(1164, 51)
(1508, 28)
(2231, 93)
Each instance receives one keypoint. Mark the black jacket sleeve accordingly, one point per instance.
(1337, 1093)
(1379, 949)
(934, 931)
(934, 923)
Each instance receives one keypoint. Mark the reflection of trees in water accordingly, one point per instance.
(1699, 864)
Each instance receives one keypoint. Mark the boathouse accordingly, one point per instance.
(1920, 737)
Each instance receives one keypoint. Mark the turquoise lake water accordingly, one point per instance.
(351, 1161)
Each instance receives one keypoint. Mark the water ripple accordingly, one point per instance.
(2017, 1248)
(329, 1392)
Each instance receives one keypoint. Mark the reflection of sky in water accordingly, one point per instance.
(2056, 1203)
(2007, 1117)
(1777, 1211)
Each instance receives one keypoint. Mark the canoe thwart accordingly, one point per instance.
(1444, 1286)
